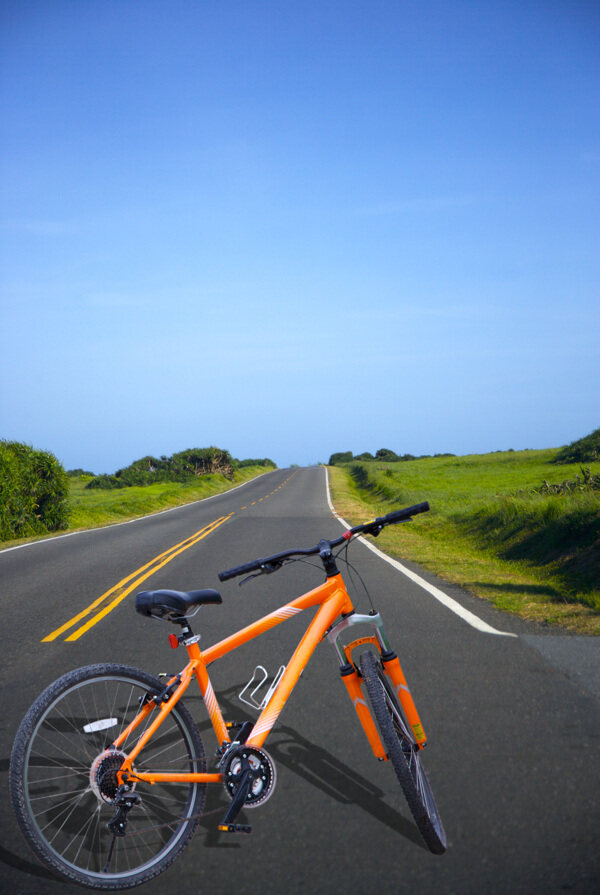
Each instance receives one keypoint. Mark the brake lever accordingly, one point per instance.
(249, 578)
(266, 569)
(375, 530)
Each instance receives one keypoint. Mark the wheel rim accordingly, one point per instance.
(70, 814)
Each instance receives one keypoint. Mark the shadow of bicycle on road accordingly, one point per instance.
(290, 749)
(320, 769)
(14, 860)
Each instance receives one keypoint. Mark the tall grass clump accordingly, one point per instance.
(558, 533)
(34, 491)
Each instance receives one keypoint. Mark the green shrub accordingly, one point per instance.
(105, 482)
(34, 490)
(384, 455)
(200, 461)
(585, 450)
(183, 467)
(240, 464)
(340, 457)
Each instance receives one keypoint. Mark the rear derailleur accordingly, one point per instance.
(124, 801)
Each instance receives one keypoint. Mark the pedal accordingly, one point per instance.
(234, 828)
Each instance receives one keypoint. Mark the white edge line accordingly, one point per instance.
(85, 531)
(469, 617)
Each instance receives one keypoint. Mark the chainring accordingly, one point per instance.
(261, 762)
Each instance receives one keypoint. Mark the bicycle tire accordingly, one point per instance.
(403, 752)
(59, 750)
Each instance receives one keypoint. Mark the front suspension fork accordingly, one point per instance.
(352, 678)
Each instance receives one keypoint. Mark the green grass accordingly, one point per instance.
(95, 508)
(531, 553)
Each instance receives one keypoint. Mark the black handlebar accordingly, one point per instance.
(373, 527)
(403, 515)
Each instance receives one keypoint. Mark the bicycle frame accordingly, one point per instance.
(334, 601)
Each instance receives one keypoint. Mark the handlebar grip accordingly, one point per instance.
(241, 570)
(400, 515)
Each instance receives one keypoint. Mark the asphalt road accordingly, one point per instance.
(513, 722)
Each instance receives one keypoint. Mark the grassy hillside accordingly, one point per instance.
(92, 508)
(512, 527)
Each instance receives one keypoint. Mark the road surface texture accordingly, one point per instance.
(513, 721)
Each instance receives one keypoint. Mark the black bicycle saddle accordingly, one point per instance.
(173, 605)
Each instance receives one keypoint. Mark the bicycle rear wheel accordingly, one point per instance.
(63, 779)
(403, 752)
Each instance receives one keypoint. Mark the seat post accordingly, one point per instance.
(186, 630)
(187, 636)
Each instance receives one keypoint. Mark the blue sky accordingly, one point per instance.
(289, 229)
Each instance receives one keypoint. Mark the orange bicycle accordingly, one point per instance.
(108, 772)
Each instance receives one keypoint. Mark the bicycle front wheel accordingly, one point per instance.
(403, 752)
(63, 779)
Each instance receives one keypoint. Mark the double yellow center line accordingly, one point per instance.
(96, 611)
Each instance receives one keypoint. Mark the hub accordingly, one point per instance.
(103, 775)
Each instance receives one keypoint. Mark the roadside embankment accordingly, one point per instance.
(511, 527)
(95, 508)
